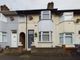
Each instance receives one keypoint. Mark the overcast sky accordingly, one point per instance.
(40, 4)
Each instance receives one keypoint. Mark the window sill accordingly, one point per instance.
(45, 42)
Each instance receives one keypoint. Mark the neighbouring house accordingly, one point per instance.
(41, 28)
(7, 26)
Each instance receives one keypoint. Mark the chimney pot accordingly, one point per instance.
(4, 8)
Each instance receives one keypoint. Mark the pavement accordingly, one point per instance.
(54, 58)
(10, 58)
(26, 57)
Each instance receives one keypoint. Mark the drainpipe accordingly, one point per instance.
(26, 38)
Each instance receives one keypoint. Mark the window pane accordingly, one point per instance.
(68, 40)
(45, 12)
(68, 34)
(45, 33)
(45, 16)
(68, 15)
(61, 34)
(61, 38)
(4, 39)
(0, 36)
(45, 36)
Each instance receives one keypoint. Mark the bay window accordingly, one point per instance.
(45, 36)
(66, 38)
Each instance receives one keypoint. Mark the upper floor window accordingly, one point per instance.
(45, 15)
(67, 16)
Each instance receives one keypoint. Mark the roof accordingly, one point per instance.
(69, 10)
(37, 11)
(76, 11)
(8, 13)
(34, 11)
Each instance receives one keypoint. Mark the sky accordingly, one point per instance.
(40, 4)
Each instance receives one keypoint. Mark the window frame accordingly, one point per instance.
(67, 16)
(3, 34)
(45, 34)
(0, 36)
(44, 14)
(41, 36)
(64, 35)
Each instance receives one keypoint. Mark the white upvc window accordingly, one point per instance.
(3, 37)
(0, 36)
(45, 15)
(67, 16)
(45, 36)
(66, 38)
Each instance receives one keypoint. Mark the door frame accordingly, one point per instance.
(27, 38)
(21, 37)
(16, 39)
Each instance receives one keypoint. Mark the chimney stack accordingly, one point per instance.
(4, 8)
(50, 5)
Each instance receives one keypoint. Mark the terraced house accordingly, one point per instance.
(41, 28)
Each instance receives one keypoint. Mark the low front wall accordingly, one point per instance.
(56, 51)
(45, 44)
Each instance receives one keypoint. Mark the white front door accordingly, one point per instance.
(14, 42)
